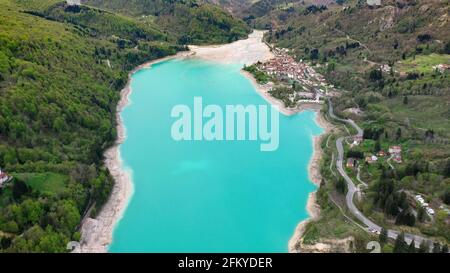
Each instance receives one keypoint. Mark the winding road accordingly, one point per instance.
(352, 189)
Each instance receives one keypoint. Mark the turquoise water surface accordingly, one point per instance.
(208, 196)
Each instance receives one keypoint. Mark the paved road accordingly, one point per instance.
(352, 189)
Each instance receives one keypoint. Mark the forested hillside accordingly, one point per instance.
(61, 70)
(390, 64)
(251, 10)
(189, 21)
(233, 6)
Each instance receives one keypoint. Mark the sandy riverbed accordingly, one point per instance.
(248, 51)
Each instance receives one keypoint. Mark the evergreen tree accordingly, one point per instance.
(383, 237)
(424, 247)
(341, 187)
(19, 188)
(421, 214)
(405, 218)
(447, 169)
(436, 247)
(377, 146)
(412, 247)
(447, 48)
(403, 201)
(405, 100)
(400, 246)
(444, 249)
(376, 75)
(398, 135)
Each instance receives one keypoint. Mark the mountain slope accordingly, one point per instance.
(233, 6)
(61, 70)
(391, 66)
(188, 20)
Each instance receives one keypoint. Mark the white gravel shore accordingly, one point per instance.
(248, 51)
(314, 175)
(97, 233)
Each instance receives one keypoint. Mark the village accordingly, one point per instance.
(303, 82)
(393, 153)
(285, 69)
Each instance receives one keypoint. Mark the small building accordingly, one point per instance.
(442, 67)
(420, 199)
(351, 163)
(357, 140)
(3, 178)
(374, 2)
(306, 95)
(395, 150)
(371, 159)
(73, 2)
(397, 158)
(385, 68)
(381, 154)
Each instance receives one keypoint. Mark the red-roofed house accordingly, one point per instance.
(351, 162)
(397, 158)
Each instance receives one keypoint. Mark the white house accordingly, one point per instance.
(371, 159)
(3, 178)
(357, 140)
(73, 2)
(396, 150)
(374, 2)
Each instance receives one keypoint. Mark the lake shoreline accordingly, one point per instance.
(96, 234)
(312, 206)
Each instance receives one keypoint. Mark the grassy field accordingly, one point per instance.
(422, 112)
(37, 5)
(46, 183)
(422, 63)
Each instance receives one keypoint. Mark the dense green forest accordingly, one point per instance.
(189, 21)
(61, 70)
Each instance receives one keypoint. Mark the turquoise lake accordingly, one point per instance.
(208, 196)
